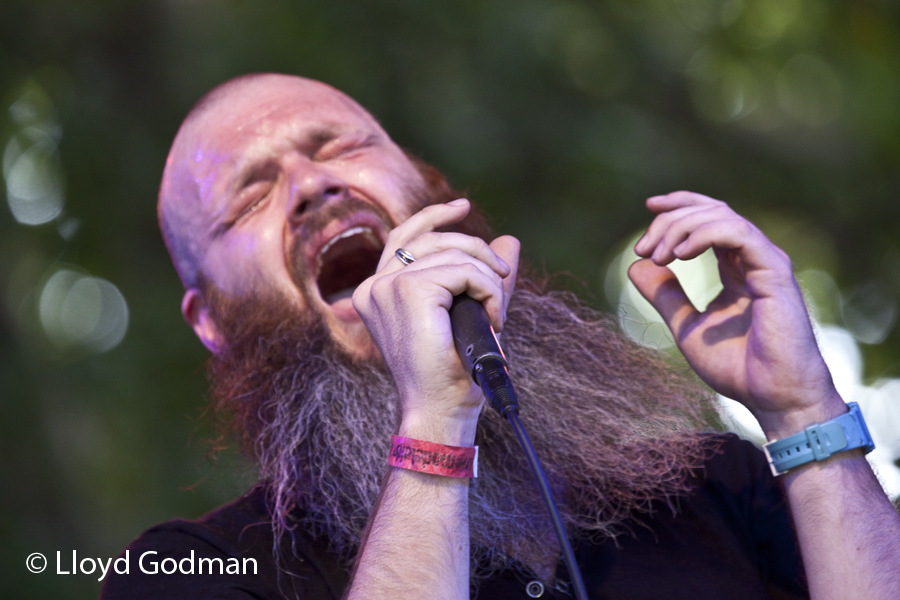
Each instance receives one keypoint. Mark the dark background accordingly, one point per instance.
(559, 117)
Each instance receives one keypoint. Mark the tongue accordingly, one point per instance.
(345, 264)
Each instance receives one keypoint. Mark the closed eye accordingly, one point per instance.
(251, 199)
(343, 146)
(250, 209)
(254, 197)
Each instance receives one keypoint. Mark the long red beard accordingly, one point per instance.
(613, 423)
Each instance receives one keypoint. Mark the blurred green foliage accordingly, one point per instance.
(560, 116)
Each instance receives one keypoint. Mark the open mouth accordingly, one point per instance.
(345, 261)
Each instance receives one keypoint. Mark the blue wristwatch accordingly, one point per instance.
(818, 442)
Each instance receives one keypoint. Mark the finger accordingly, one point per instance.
(427, 219)
(434, 264)
(679, 229)
(452, 256)
(661, 289)
(752, 246)
(433, 242)
(666, 202)
(456, 279)
(508, 248)
(661, 223)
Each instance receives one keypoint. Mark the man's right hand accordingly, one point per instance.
(417, 545)
(405, 310)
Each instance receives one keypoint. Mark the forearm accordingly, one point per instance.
(417, 544)
(849, 532)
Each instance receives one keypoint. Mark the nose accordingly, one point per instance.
(311, 188)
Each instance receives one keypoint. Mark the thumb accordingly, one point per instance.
(661, 289)
(507, 247)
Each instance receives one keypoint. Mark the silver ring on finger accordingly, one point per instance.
(405, 256)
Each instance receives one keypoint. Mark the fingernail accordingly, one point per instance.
(458, 202)
(503, 263)
(640, 245)
(677, 249)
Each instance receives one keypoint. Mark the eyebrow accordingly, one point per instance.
(322, 135)
(313, 138)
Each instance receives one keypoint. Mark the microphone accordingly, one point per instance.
(478, 348)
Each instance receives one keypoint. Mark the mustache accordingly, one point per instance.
(314, 221)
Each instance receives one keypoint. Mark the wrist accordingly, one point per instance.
(450, 431)
(778, 425)
(459, 462)
(821, 441)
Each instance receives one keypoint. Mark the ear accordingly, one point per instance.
(196, 313)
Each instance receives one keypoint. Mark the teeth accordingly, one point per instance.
(367, 231)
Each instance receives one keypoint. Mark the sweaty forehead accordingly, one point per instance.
(269, 112)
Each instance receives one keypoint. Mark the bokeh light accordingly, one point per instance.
(79, 310)
(637, 317)
(31, 165)
(810, 91)
(870, 311)
(722, 89)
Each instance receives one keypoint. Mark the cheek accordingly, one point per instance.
(250, 262)
(391, 185)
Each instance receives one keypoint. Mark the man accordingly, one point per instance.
(283, 204)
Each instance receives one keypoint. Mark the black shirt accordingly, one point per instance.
(732, 538)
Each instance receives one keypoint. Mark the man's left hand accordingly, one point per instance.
(754, 342)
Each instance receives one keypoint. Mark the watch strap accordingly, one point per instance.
(820, 441)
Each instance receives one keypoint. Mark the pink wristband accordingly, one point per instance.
(437, 459)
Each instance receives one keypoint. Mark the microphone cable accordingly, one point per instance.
(480, 352)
